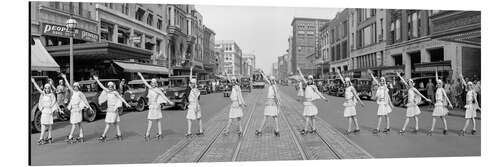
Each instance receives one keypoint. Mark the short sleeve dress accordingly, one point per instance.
(412, 108)
(194, 110)
(114, 103)
(470, 107)
(236, 111)
(310, 95)
(76, 105)
(155, 99)
(270, 106)
(440, 105)
(350, 103)
(47, 105)
(383, 101)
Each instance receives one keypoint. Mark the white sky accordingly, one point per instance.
(261, 30)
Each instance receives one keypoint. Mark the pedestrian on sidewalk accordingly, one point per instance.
(352, 98)
(310, 110)
(114, 103)
(470, 107)
(271, 102)
(194, 108)
(412, 109)
(47, 104)
(430, 90)
(77, 103)
(155, 99)
(384, 104)
(440, 109)
(237, 104)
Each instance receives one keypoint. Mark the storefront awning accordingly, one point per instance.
(433, 66)
(100, 51)
(41, 60)
(135, 67)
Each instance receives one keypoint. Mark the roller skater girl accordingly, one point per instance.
(155, 99)
(384, 104)
(77, 103)
(310, 110)
(194, 109)
(114, 102)
(352, 99)
(272, 101)
(47, 104)
(440, 109)
(470, 107)
(236, 110)
(412, 109)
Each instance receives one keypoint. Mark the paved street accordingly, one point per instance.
(330, 143)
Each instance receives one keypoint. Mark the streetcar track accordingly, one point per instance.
(240, 140)
(295, 137)
(330, 148)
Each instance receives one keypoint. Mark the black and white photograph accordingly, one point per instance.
(170, 82)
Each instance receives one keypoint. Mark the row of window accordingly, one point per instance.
(76, 8)
(366, 61)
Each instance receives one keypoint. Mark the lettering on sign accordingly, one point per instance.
(62, 31)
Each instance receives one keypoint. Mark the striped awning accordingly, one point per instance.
(41, 60)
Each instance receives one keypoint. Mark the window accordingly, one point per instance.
(54, 5)
(436, 55)
(149, 20)
(125, 8)
(80, 8)
(139, 14)
(123, 36)
(159, 24)
(398, 59)
(393, 32)
(381, 38)
(106, 31)
(398, 30)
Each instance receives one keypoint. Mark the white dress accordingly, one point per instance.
(440, 105)
(236, 111)
(194, 110)
(350, 103)
(47, 105)
(412, 108)
(113, 102)
(270, 106)
(301, 91)
(76, 104)
(383, 101)
(310, 95)
(155, 99)
(470, 107)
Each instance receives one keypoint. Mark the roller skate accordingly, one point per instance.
(239, 133)
(461, 133)
(79, 140)
(48, 140)
(41, 142)
(119, 137)
(386, 131)
(473, 132)
(429, 133)
(313, 131)
(376, 131)
(159, 136)
(276, 133)
(402, 132)
(356, 131)
(146, 138)
(445, 132)
(102, 139)
(258, 133)
(303, 132)
(69, 140)
(200, 134)
(415, 131)
(188, 135)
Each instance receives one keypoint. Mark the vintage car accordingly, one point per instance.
(364, 87)
(176, 90)
(336, 88)
(136, 95)
(258, 81)
(246, 84)
(92, 91)
(204, 86)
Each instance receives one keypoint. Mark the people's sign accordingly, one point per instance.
(62, 31)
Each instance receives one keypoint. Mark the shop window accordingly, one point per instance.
(436, 55)
(398, 59)
(414, 58)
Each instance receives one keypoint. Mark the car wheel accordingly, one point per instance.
(90, 115)
(37, 124)
(141, 105)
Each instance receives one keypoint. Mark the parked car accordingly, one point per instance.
(400, 95)
(176, 90)
(136, 95)
(364, 87)
(204, 86)
(92, 91)
(337, 88)
(246, 84)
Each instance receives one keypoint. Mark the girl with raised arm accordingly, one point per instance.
(412, 109)
(310, 110)
(155, 99)
(384, 103)
(236, 110)
(77, 103)
(471, 105)
(47, 104)
(272, 102)
(114, 102)
(440, 109)
(194, 109)
(352, 99)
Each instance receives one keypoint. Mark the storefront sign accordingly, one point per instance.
(62, 31)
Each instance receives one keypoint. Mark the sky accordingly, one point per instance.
(263, 31)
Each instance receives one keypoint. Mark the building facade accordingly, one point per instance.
(282, 67)
(232, 56)
(210, 62)
(305, 40)
(249, 61)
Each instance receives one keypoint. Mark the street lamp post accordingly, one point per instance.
(71, 26)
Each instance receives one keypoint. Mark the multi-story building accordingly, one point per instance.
(282, 67)
(413, 42)
(219, 56)
(289, 57)
(305, 42)
(249, 60)
(322, 56)
(338, 41)
(209, 58)
(274, 69)
(367, 44)
(232, 56)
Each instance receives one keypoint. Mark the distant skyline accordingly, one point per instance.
(263, 31)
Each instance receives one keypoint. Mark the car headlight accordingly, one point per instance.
(176, 93)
